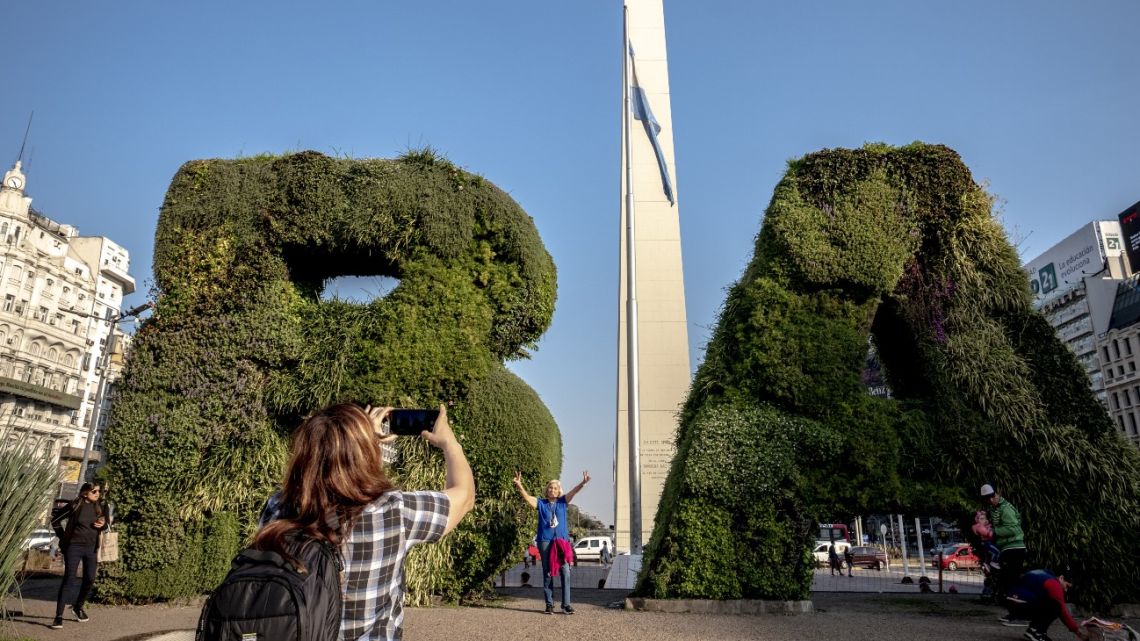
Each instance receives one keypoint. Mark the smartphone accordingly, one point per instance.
(411, 422)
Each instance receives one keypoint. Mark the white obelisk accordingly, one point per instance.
(659, 334)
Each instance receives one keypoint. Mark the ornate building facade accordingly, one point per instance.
(60, 296)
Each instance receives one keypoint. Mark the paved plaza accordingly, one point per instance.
(516, 614)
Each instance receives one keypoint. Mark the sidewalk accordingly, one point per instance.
(518, 615)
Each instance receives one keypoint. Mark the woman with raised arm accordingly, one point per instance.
(336, 469)
(553, 537)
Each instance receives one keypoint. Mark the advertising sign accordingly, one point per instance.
(1130, 228)
(1082, 254)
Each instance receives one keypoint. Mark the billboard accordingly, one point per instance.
(1130, 228)
(1082, 253)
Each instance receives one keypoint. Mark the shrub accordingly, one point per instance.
(897, 246)
(241, 347)
(28, 476)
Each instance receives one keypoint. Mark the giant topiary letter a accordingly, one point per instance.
(240, 348)
(898, 244)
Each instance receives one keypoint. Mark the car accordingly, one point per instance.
(869, 557)
(589, 548)
(39, 539)
(960, 556)
(820, 550)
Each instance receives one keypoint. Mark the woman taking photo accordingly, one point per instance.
(336, 469)
(78, 526)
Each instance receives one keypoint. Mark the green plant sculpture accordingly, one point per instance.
(900, 246)
(241, 347)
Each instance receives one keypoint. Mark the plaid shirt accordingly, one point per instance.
(373, 586)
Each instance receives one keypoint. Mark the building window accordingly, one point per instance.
(53, 355)
(9, 301)
(58, 320)
(75, 326)
(1115, 348)
(20, 307)
(1127, 346)
(42, 316)
(1106, 356)
(34, 348)
(1120, 370)
(1132, 423)
(1115, 401)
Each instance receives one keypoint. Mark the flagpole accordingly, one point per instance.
(632, 389)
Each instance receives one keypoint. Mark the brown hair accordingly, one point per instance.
(83, 490)
(336, 469)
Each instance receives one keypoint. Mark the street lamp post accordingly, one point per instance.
(101, 386)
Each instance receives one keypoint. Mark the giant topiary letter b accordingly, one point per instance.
(240, 348)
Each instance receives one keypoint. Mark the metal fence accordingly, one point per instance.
(897, 553)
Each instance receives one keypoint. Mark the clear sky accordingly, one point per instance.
(1040, 98)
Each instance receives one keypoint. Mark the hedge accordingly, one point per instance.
(898, 246)
(241, 347)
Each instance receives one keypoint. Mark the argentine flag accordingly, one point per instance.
(639, 103)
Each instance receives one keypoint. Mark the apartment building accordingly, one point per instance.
(60, 296)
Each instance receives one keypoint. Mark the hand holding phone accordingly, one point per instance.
(411, 422)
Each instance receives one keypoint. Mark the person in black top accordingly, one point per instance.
(78, 526)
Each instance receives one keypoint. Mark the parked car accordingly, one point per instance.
(589, 548)
(820, 551)
(959, 556)
(39, 539)
(869, 557)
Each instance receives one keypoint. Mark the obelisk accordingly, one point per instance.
(661, 329)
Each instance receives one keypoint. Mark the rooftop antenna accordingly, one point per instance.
(25, 141)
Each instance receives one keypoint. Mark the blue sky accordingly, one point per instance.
(1040, 98)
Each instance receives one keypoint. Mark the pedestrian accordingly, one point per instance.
(1008, 537)
(1039, 598)
(553, 537)
(833, 559)
(336, 490)
(606, 556)
(78, 526)
(849, 559)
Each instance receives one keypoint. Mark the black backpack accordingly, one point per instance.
(265, 598)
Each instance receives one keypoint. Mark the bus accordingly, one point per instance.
(833, 532)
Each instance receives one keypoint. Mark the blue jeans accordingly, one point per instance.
(548, 581)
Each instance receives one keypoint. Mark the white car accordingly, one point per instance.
(590, 548)
(820, 550)
(39, 538)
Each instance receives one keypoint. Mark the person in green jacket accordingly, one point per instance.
(1009, 539)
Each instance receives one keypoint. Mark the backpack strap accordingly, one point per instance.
(263, 556)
